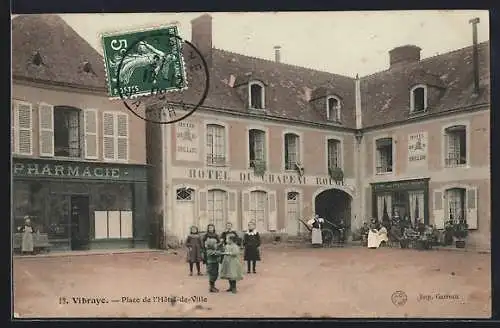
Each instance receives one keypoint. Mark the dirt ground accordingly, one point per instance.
(290, 282)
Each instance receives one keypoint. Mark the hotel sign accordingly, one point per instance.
(222, 175)
(417, 147)
(76, 170)
(187, 141)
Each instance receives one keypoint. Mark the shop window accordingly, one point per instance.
(384, 162)
(256, 146)
(333, 153)
(256, 95)
(113, 225)
(292, 155)
(418, 99)
(67, 132)
(456, 146)
(216, 145)
(217, 208)
(333, 109)
(258, 209)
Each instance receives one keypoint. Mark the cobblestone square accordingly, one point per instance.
(290, 282)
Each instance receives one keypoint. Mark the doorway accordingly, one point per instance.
(334, 205)
(79, 222)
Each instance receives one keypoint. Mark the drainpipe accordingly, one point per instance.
(475, 54)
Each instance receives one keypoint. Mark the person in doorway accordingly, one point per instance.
(194, 249)
(251, 243)
(213, 258)
(316, 236)
(28, 244)
(231, 268)
(229, 232)
(211, 234)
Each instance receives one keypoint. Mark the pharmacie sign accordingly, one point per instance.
(68, 170)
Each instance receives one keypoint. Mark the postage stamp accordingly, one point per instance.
(141, 61)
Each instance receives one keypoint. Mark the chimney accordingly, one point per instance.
(475, 54)
(201, 36)
(277, 55)
(404, 55)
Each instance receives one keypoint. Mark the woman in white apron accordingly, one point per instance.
(317, 238)
(376, 235)
(27, 246)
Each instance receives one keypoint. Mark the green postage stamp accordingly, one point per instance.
(144, 62)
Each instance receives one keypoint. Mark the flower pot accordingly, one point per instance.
(460, 243)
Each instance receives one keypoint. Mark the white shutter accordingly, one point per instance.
(108, 138)
(46, 124)
(24, 128)
(438, 212)
(122, 132)
(273, 217)
(471, 203)
(245, 209)
(90, 133)
(202, 209)
(232, 208)
(378, 159)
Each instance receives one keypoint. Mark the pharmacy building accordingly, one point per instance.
(77, 174)
(274, 143)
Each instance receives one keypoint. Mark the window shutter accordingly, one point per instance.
(13, 130)
(232, 209)
(108, 136)
(202, 209)
(122, 136)
(46, 124)
(273, 217)
(471, 203)
(378, 158)
(90, 133)
(245, 208)
(24, 128)
(439, 217)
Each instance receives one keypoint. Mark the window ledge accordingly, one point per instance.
(385, 173)
(458, 166)
(419, 113)
(217, 165)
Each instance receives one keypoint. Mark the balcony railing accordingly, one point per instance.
(290, 165)
(257, 162)
(384, 169)
(455, 160)
(217, 160)
(67, 151)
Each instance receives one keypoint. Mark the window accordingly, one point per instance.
(185, 194)
(115, 138)
(418, 99)
(256, 146)
(113, 225)
(456, 203)
(258, 209)
(456, 147)
(217, 208)
(333, 153)
(384, 155)
(216, 144)
(67, 132)
(333, 109)
(22, 132)
(256, 95)
(291, 151)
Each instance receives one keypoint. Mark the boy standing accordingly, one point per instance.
(213, 258)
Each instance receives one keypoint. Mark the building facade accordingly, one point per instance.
(269, 140)
(76, 171)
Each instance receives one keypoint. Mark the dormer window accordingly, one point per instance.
(256, 95)
(333, 109)
(418, 99)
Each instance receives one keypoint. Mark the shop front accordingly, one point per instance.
(82, 205)
(406, 198)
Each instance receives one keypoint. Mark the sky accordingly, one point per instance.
(346, 43)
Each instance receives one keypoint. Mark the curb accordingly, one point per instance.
(89, 253)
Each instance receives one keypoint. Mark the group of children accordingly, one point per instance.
(222, 254)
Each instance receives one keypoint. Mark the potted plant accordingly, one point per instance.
(299, 168)
(259, 168)
(460, 232)
(336, 174)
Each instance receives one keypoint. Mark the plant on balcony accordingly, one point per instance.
(299, 168)
(336, 174)
(259, 167)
